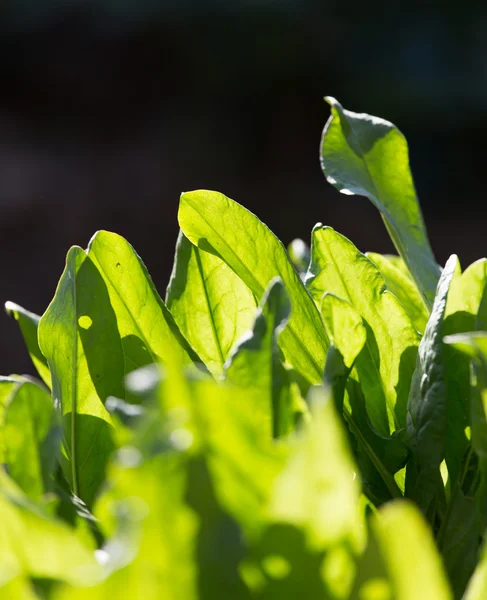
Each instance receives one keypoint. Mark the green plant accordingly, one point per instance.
(270, 430)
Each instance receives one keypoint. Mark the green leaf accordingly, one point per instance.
(365, 155)
(230, 429)
(18, 589)
(467, 291)
(31, 436)
(211, 305)
(403, 287)
(466, 521)
(219, 225)
(344, 327)
(146, 327)
(347, 333)
(427, 407)
(28, 323)
(317, 491)
(461, 315)
(386, 363)
(8, 388)
(401, 560)
(474, 345)
(79, 337)
(256, 361)
(225, 423)
(477, 586)
(35, 544)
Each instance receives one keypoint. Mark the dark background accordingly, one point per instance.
(110, 109)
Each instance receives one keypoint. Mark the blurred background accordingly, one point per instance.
(110, 109)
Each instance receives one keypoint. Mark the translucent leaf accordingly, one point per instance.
(219, 225)
(31, 436)
(29, 323)
(211, 305)
(386, 363)
(79, 337)
(256, 362)
(146, 327)
(366, 155)
(403, 287)
(318, 491)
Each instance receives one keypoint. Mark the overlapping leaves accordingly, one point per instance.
(264, 433)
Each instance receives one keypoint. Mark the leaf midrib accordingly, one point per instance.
(208, 304)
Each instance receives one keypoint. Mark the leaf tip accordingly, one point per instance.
(10, 308)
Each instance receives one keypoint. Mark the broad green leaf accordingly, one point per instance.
(227, 424)
(28, 323)
(31, 436)
(152, 552)
(229, 427)
(211, 305)
(347, 334)
(216, 224)
(467, 291)
(474, 345)
(8, 387)
(204, 472)
(401, 561)
(256, 361)
(368, 156)
(35, 544)
(466, 521)
(386, 363)
(477, 586)
(403, 287)
(317, 491)
(146, 327)
(18, 589)
(344, 327)
(79, 337)
(461, 315)
(427, 422)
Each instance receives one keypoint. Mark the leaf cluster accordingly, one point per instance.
(284, 424)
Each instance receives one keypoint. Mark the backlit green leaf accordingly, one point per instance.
(366, 155)
(31, 436)
(211, 305)
(404, 288)
(219, 225)
(33, 543)
(146, 327)
(318, 490)
(464, 528)
(461, 315)
(28, 323)
(477, 586)
(79, 337)
(386, 363)
(256, 361)
(401, 561)
(347, 333)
